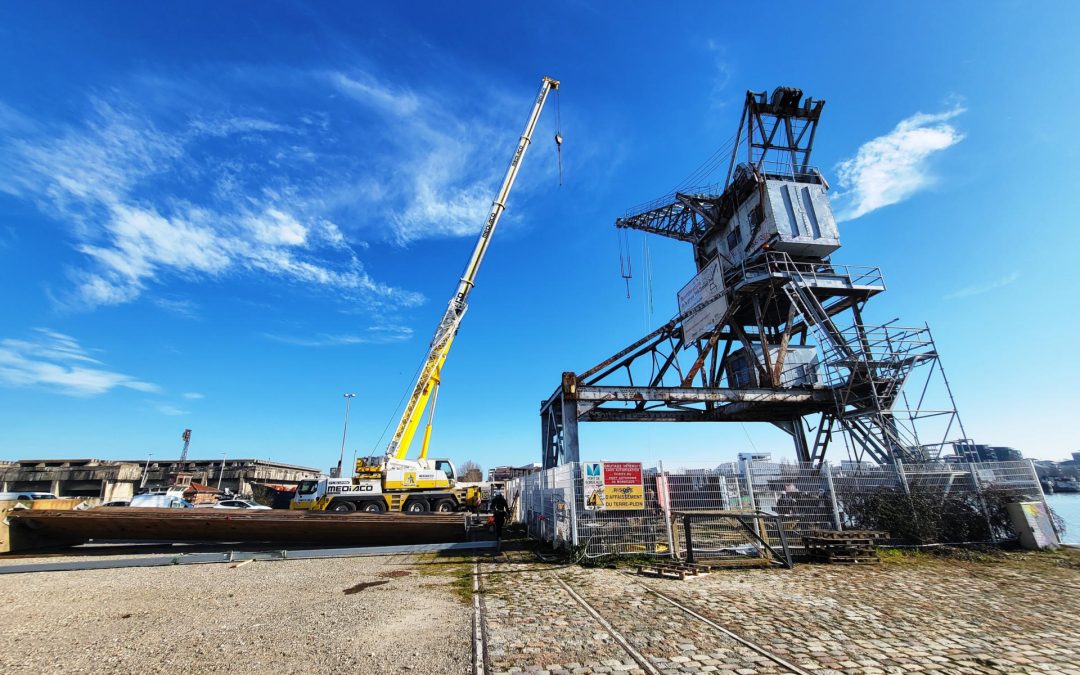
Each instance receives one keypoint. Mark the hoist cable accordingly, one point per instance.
(626, 264)
(558, 132)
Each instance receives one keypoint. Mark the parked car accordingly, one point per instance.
(26, 496)
(160, 501)
(240, 504)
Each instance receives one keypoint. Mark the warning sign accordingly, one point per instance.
(613, 486)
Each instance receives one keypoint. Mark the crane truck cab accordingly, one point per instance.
(411, 486)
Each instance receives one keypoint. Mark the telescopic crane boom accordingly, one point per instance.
(428, 381)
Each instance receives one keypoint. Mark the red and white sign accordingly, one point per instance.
(622, 473)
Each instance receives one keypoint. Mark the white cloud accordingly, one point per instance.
(890, 168)
(166, 185)
(179, 306)
(979, 289)
(57, 362)
(135, 197)
(367, 90)
(193, 396)
(375, 335)
(722, 73)
(237, 125)
(451, 168)
(167, 409)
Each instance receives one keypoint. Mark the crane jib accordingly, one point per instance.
(428, 379)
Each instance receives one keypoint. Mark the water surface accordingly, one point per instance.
(1067, 505)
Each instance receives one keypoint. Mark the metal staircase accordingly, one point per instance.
(866, 368)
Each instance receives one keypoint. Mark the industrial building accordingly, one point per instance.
(120, 479)
(505, 473)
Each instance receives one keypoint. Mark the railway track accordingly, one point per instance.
(479, 624)
(622, 636)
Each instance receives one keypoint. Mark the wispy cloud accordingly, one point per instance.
(368, 90)
(100, 177)
(722, 71)
(375, 335)
(193, 396)
(59, 363)
(8, 236)
(167, 409)
(890, 168)
(979, 289)
(445, 172)
(178, 306)
(150, 198)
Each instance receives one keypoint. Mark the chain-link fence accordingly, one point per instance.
(944, 502)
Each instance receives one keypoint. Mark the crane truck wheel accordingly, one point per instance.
(372, 507)
(444, 506)
(342, 506)
(415, 506)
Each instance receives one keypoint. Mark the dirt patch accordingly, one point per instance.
(363, 585)
(395, 574)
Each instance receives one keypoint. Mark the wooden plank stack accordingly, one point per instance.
(851, 547)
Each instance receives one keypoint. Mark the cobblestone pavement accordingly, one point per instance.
(1017, 614)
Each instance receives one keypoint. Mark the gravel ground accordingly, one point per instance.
(1014, 613)
(268, 617)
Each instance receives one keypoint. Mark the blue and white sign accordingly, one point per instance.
(593, 479)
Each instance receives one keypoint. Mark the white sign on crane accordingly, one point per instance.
(707, 291)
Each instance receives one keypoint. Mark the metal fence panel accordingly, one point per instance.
(806, 497)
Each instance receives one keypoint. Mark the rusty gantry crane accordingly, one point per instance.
(770, 329)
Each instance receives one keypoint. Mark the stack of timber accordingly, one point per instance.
(34, 529)
(850, 547)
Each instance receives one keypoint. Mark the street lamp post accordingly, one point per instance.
(341, 457)
(221, 472)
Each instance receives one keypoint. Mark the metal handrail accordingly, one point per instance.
(774, 262)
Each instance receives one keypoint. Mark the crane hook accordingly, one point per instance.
(558, 150)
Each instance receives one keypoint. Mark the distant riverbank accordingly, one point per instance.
(1067, 505)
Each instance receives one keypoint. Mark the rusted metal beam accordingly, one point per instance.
(698, 394)
(617, 359)
(781, 353)
(710, 346)
(733, 412)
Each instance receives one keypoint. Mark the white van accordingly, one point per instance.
(25, 496)
(161, 501)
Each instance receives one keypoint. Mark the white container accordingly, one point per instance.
(801, 367)
(795, 217)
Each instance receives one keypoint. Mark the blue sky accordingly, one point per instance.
(222, 217)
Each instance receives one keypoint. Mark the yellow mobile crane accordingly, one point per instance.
(394, 482)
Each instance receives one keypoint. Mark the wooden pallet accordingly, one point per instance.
(847, 534)
(673, 570)
(847, 548)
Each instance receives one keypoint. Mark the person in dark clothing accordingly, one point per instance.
(500, 509)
